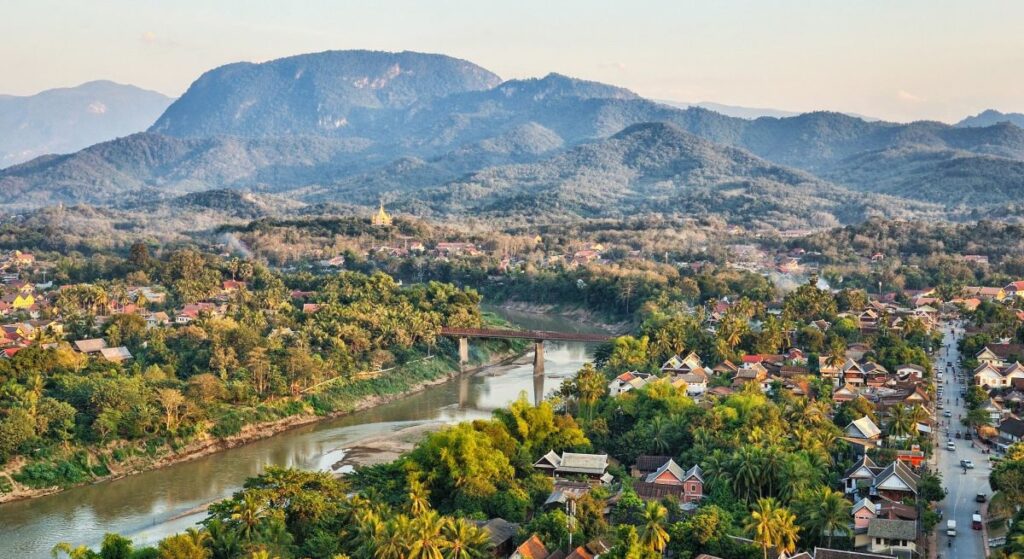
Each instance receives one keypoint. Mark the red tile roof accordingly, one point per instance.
(533, 548)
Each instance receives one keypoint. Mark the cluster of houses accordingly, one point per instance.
(33, 316)
(401, 246)
(1001, 374)
(882, 523)
(574, 475)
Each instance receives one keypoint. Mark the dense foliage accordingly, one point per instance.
(75, 416)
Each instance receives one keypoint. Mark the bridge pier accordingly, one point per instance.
(538, 357)
(463, 351)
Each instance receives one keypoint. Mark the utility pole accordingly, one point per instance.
(570, 521)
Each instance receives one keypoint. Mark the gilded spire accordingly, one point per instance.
(381, 218)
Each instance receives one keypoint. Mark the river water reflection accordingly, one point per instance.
(151, 505)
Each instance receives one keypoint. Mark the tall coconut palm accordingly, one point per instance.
(746, 468)
(832, 514)
(223, 541)
(419, 498)
(836, 354)
(427, 540)
(772, 526)
(716, 467)
(248, 513)
(591, 385)
(901, 421)
(660, 433)
(654, 537)
(463, 540)
(772, 464)
(392, 538)
(370, 529)
(731, 330)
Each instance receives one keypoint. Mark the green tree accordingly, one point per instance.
(591, 386)
(653, 536)
(464, 540)
(190, 545)
(772, 526)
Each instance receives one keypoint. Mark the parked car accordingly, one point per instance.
(981, 498)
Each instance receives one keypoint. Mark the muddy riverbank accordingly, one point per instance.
(250, 433)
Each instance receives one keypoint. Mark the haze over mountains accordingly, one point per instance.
(441, 136)
(69, 119)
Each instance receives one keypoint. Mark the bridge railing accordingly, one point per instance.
(523, 334)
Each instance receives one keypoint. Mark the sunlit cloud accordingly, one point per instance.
(908, 97)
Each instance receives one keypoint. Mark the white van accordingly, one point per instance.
(951, 528)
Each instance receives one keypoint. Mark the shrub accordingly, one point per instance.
(227, 425)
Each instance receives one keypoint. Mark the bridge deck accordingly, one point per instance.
(523, 334)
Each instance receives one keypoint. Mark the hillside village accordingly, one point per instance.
(889, 417)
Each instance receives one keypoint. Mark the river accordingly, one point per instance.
(151, 505)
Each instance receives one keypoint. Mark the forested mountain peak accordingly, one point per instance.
(990, 117)
(319, 93)
(559, 85)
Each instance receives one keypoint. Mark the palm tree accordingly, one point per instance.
(716, 467)
(746, 466)
(901, 421)
(836, 354)
(419, 498)
(369, 531)
(591, 385)
(223, 541)
(772, 526)
(248, 513)
(427, 540)
(771, 467)
(392, 541)
(463, 540)
(731, 330)
(832, 514)
(654, 537)
(660, 429)
(190, 545)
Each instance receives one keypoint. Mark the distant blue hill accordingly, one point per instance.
(69, 119)
(990, 117)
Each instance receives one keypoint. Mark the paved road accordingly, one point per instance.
(962, 488)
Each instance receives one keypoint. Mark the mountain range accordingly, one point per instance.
(990, 117)
(435, 135)
(69, 119)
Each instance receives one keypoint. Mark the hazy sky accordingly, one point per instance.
(898, 60)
